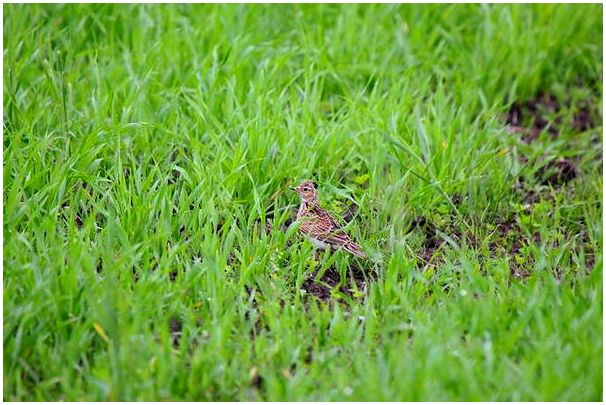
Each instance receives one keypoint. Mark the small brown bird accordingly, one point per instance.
(319, 226)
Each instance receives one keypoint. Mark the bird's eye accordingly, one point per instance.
(305, 189)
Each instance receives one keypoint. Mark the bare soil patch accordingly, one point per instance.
(557, 172)
(541, 113)
(330, 282)
(175, 327)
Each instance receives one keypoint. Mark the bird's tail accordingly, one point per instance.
(354, 249)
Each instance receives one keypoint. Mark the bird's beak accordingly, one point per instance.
(293, 188)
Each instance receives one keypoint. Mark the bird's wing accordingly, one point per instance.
(322, 226)
(339, 238)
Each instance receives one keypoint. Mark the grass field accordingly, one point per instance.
(148, 152)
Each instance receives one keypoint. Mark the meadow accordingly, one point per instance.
(150, 251)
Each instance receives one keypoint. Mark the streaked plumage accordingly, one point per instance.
(319, 226)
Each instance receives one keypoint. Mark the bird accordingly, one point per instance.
(319, 226)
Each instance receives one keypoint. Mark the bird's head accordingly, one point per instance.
(307, 191)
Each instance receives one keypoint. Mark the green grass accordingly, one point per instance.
(144, 147)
